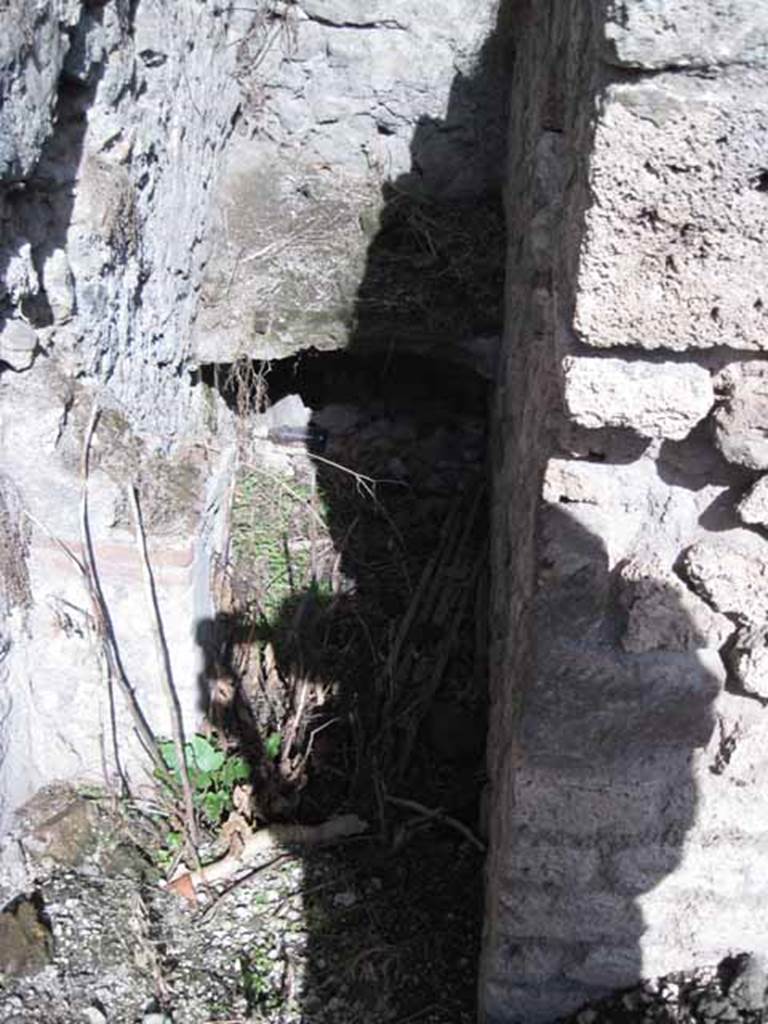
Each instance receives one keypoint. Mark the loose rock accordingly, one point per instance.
(753, 507)
(740, 421)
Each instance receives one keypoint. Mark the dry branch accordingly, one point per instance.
(100, 609)
(164, 668)
(439, 815)
(346, 825)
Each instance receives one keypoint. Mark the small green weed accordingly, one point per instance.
(213, 775)
(271, 527)
(260, 994)
(272, 745)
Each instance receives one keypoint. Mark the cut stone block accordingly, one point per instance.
(740, 421)
(673, 254)
(653, 399)
(657, 34)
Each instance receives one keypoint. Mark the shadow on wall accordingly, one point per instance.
(608, 727)
(593, 735)
(604, 790)
(392, 629)
(434, 274)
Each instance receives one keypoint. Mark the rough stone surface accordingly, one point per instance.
(662, 614)
(753, 507)
(655, 399)
(25, 940)
(357, 129)
(196, 182)
(731, 576)
(740, 419)
(658, 34)
(113, 119)
(188, 182)
(120, 127)
(628, 797)
(35, 41)
(748, 661)
(674, 239)
(49, 626)
(18, 342)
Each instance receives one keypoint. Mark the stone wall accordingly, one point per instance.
(627, 758)
(360, 198)
(186, 183)
(113, 119)
(193, 182)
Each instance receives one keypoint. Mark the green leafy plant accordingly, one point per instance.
(212, 773)
(166, 855)
(259, 992)
(272, 745)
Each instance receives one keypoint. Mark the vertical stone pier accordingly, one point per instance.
(628, 762)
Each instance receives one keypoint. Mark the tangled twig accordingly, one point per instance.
(164, 668)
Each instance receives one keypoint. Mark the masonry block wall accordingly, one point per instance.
(628, 762)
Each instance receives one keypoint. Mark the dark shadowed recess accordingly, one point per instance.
(401, 645)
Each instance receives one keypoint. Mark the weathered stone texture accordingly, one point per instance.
(113, 118)
(655, 399)
(663, 614)
(187, 182)
(358, 125)
(753, 507)
(34, 41)
(748, 661)
(54, 697)
(618, 760)
(658, 34)
(675, 236)
(741, 417)
(732, 575)
(113, 132)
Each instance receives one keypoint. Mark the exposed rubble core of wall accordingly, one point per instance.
(627, 753)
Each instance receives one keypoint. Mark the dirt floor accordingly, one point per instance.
(348, 660)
